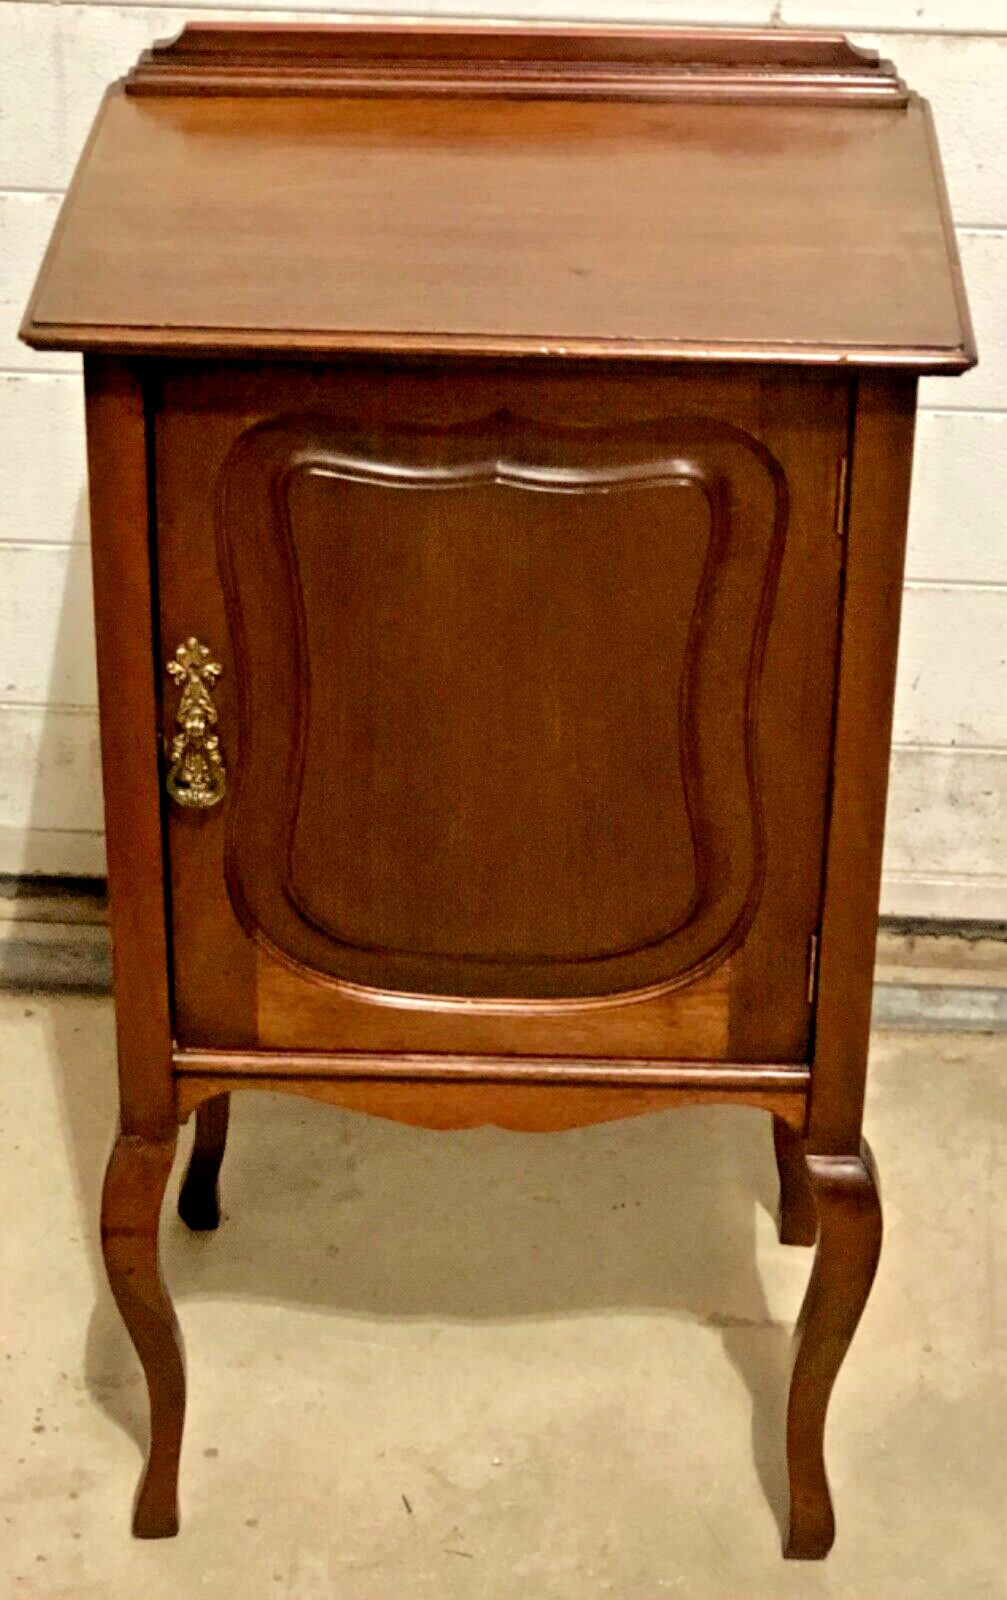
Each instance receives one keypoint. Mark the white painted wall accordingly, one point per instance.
(947, 837)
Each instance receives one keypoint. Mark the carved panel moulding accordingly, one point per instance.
(696, 858)
(591, 63)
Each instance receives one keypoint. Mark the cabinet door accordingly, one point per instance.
(524, 705)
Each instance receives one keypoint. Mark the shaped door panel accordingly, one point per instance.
(493, 681)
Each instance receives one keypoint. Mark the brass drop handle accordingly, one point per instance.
(197, 776)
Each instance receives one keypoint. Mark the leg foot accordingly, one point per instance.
(796, 1219)
(199, 1199)
(849, 1242)
(130, 1209)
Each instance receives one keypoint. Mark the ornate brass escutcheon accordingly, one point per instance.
(197, 776)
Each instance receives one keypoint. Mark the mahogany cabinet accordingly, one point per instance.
(499, 451)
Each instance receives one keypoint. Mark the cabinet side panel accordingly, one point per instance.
(124, 624)
(868, 652)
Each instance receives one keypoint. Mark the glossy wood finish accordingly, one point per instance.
(604, 832)
(581, 657)
(849, 1243)
(290, 1011)
(766, 65)
(797, 1219)
(126, 634)
(734, 1078)
(526, 1104)
(135, 1181)
(199, 1196)
(554, 829)
(881, 468)
(730, 233)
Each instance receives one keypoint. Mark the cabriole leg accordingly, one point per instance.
(849, 1243)
(135, 1181)
(199, 1199)
(796, 1218)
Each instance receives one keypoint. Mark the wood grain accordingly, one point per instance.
(879, 500)
(728, 1078)
(125, 629)
(572, 62)
(295, 1011)
(797, 1219)
(471, 226)
(483, 806)
(758, 790)
(526, 1107)
(810, 432)
(582, 653)
(135, 1180)
(849, 1244)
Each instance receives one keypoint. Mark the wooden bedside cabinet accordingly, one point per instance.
(499, 449)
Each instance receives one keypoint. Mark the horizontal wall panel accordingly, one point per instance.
(55, 64)
(44, 472)
(48, 109)
(943, 898)
(30, 852)
(964, 79)
(952, 685)
(46, 625)
(958, 525)
(958, 517)
(710, 12)
(943, 807)
(947, 844)
(26, 221)
(45, 120)
(984, 262)
(967, 16)
(947, 807)
(947, 810)
(50, 771)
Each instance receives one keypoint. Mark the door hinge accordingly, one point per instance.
(812, 967)
(840, 517)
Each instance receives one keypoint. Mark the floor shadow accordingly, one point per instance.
(365, 1218)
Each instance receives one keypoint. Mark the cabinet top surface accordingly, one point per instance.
(505, 205)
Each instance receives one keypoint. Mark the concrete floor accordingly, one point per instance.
(481, 1365)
